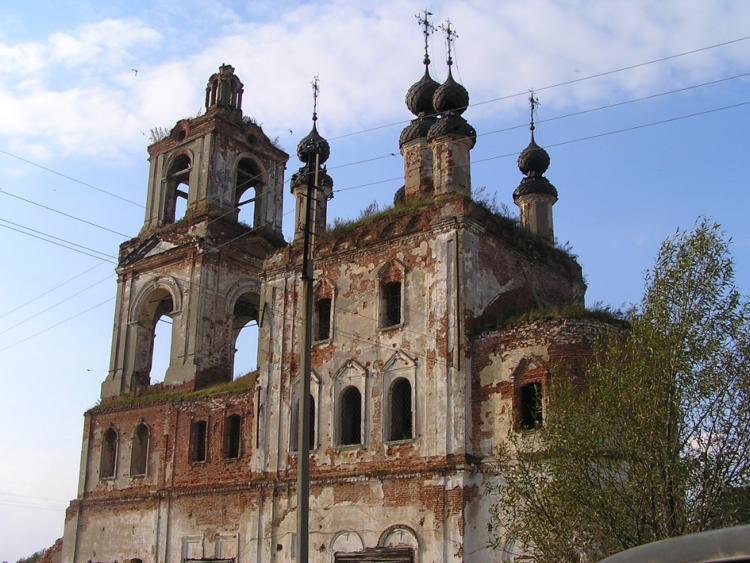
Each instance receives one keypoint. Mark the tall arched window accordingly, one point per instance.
(350, 416)
(108, 465)
(139, 453)
(245, 327)
(177, 195)
(401, 411)
(294, 426)
(530, 407)
(198, 440)
(232, 436)
(246, 191)
(154, 342)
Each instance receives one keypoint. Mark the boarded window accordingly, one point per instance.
(401, 413)
(351, 416)
(391, 304)
(232, 436)
(198, 437)
(139, 454)
(295, 425)
(530, 407)
(109, 454)
(323, 319)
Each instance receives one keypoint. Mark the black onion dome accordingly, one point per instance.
(306, 147)
(452, 124)
(533, 160)
(535, 185)
(417, 129)
(419, 95)
(450, 96)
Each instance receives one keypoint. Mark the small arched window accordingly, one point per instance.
(108, 464)
(323, 319)
(232, 436)
(350, 417)
(198, 439)
(530, 408)
(294, 437)
(139, 453)
(401, 412)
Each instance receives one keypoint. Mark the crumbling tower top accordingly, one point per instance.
(224, 89)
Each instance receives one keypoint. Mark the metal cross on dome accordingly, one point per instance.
(316, 91)
(450, 36)
(533, 103)
(427, 29)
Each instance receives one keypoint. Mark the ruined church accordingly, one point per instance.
(422, 362)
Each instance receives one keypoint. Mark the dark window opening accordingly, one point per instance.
(391, 301)
(401, 414)
(245, 327)
(530, 408)
(139, 454)
(295, 426)
(109, 454)
(198, 441)
(154, 340)
(323, 319)
(178, 186)
(249, 178)
(351, 416)
(232, 436)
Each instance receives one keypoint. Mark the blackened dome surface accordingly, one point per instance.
(535, 185)
(450, 96)
(533, 160)
(417, 129)
(300, 178)
(419, 95)
(452, 124)
(307, 146)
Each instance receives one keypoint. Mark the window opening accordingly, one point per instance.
(391, 301)
(245, 326)
(178, 175)
(295, 425)
(246, 189)
(109, 454)
(401, 414)
(323, 319)
(232, 436)
(531, 412)
(198, 441)
(162, 344)
(154, 337)
(139, 453)
(351, 416)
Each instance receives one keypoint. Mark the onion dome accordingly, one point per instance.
(450, 96)
(533, 163)
(308, 145)
(417, 129)
(419, 95)
(452, 124)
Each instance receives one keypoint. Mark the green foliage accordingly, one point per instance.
(32, 558)
(371, 213)
(599, 312)
(654, 442)
(156, 134)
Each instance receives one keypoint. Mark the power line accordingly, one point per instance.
(59, 244)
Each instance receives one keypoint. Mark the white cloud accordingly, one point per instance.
(366, 58)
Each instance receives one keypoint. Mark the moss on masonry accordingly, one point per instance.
(599, 313)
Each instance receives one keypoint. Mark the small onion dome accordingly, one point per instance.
(419, 95)
(450, 96)
(299, 178)
(534, 185)
(306, 147)
(452, 124)
(417, 129)
(533, 160)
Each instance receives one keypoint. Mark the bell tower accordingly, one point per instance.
(213, 213)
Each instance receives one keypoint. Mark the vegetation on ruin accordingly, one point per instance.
(654, 441)
(599, 312)
(371, 214)
(159, 393)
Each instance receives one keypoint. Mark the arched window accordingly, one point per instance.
(154, 342)
(390, 299)
(530, 408)
(245, 327)
(350, 416)
(246, 190)
(177, 197)
(232, 436)
(401, 413)
(294, 426)
(108, 465)
(198, 440)
(322, 319)
(139, 453)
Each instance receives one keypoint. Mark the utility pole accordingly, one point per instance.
(303, 392)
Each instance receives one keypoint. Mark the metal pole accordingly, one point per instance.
(303, 391)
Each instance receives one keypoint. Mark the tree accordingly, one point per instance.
(654, 440)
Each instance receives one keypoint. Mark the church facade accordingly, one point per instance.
(418, 369)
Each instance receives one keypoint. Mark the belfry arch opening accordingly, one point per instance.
(178, 187)
(245, 333)
(154, 340)
(247, 190)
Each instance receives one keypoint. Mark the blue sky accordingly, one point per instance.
(70, 102)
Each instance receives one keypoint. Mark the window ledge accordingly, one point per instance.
(322, 342)
(348, 447)
(391, 327)
(138, 476)
(108, 478)
(197, 463)
(404, 442)
(294, 453)
(230, 459)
